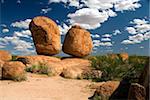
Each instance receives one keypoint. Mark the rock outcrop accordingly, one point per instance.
(5, 55)
(77, 42)
(68, 67)
(136, 92)
(106, 90)
(13, 70)
(46, 35)
(1, 65)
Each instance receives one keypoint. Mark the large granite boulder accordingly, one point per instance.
(77, 42)
(5, 55)
(13, 70)
(46, 35)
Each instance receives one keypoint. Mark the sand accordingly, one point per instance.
(39, 87)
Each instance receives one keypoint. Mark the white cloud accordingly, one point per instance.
(64, 29)
(139, 21)
(107, 35)
(105, 39)
(127, 5)
(131, 30)
(92, 13)
(141, 47)
(22, 24)
(142, 28)
(127, 42)
(140, 32)
(147, 35)
(88, 18)
(23, 33)
(5, 30)
(18, 1)
(98, 43)
(45, 10)
(95, 35)
(17, 44)
(106, 44)
(116, 32)
(137, 38)
(2, 1)
(99, 4)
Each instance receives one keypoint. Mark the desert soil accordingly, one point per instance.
(40, 87)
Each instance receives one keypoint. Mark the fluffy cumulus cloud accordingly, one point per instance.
(98, 43)
(122, 5)
(92, 13)
(131, 30)
(23, 33)
(20, 42)
(88, 18)
(18, 45)
(107, 35)
(22, 24)
(139, 32)
(105, 39)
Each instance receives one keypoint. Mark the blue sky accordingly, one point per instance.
(115, 25)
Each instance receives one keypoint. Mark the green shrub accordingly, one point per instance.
(14, 58)
(117, 69)
(41, 68)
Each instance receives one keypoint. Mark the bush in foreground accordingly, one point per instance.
(117, 69)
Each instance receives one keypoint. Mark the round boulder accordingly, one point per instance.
(13, 70)
(46, 35)
(78, 42)
(5, 55)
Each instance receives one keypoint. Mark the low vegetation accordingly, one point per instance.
(41, 68)
(115, 68)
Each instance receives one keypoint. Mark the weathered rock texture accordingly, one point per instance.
(68, 67)
(5, 55)
(106, 90)
(144, 79)
(13, 70)
(1, 65)
(136, 92)
(78, 42)
(46, 35)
